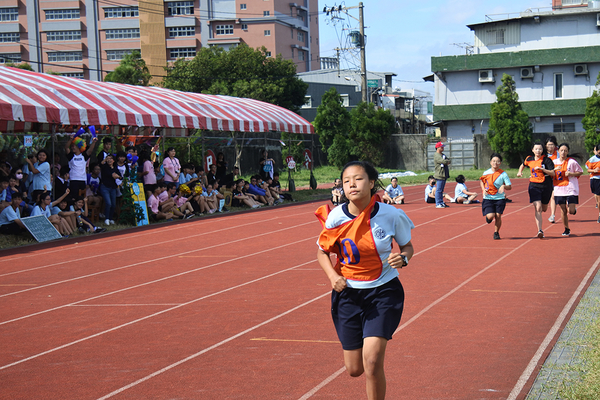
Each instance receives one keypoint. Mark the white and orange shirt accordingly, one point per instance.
(564, 185)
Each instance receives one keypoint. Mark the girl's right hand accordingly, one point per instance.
(339, 283)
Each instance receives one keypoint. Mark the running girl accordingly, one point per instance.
(566, 184)
(593, 167)
(367, 297)
(552, 153)
(494, 183)
(540, 182)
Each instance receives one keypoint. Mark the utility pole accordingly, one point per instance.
(363, 57)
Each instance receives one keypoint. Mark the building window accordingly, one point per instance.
(558, 86)
(63, 14)
(185, 52)
(117, 55)
(301, 36)
(566, 127)
(63, 36)
(266, 13)
(243, 6)
(300, 55)
(224, 30)
(9, 14)
(65, 56)
(121, 12)
(78, 75)
(180, 8)
(268, 53)
(133, 33)
(574, 3)
(267, 32)
(307, 102)
(495, 36)
(182, 31)
(10, 37)
(345, 100)
(10, 58)
(292, 53)
(244, 27)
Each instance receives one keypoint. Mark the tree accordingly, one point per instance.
(132, 70)
(332, 124)
(591, 120)
(510, 131)
(240, 72)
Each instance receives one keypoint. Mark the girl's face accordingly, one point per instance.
(121, 160)
(79, 204)
(357, 185)
(47, 200)
(209, 189)
(171, 153)
(96, 170)
(495, 162)
(550, 147)
(538, 149)
(110, 161)
(563, 152)
(42, 157)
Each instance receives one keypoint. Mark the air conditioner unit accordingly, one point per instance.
(486, 75)
(527, 73)
(580, 69)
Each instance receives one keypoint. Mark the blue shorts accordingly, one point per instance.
(493, 206)
(566, 199)
(361, 313)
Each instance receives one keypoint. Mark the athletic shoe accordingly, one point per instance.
(112, 222)
(551, 218)
(107, 222)
(81, 230)
(467, 202)
(496, 236)
(475, 201)
(189, 216)
(446, 205)
(508, 200)
(599, 220)
(443, 206)
(567, 232)
(540, 234)
(99, 230)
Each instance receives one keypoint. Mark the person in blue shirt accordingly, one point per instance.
(10, 217)
(261, 194)
(393, 193)
(494, 183)
(42, 176)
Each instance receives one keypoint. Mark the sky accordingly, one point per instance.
(402, 36)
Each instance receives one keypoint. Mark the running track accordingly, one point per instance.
(236, 307)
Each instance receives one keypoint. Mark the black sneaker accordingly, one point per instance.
(508, 200)
(599, 220)
(567, 232)
(99, 230)
(496, 236)
(540, 234)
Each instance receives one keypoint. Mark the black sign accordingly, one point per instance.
(41, 229)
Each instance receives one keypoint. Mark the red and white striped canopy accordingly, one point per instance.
(31, 97)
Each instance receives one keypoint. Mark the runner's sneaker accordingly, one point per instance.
(446, 205)
(443, 206)
(551, 218)
(540, 234)
(567, 232)
(496, 236)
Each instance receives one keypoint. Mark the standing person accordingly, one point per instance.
(147, 174)
(566, 184)
(367, 297)
(77, 157)
(106, 149)
(108, 187)
(393, 193)
(441, 174)
(171, 166)
(42, 178)
(540, 182)
(494, 183)
(593, 167)
(221, 167)
(266, 166)
(552, 153)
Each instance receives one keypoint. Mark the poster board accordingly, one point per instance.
(139, 197)
(40, 228)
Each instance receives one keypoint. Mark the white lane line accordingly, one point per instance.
(170, 256)
(553, 331)
(163, 312)
(152, 282)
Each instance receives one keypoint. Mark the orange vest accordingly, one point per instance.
(353, 243)
(536, 176)
(488, 182)
(560, 178)
(593, 165)
(553, 156)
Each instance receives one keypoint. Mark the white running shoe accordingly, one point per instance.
(112, 222)
(551, 218)
(107, 222)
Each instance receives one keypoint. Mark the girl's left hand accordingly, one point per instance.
(395, 260)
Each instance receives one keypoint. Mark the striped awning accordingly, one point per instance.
(31, 97)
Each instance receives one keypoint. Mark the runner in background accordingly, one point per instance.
(540, 182)
(593, 167)
(566, 184)
(494, 183)
(367, 297)
(552, 153)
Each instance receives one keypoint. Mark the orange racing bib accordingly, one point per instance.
(488, 182)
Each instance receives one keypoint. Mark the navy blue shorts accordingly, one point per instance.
(595, 186)
(541, 193)
(566, 199)
(493, 206)
(361, 313)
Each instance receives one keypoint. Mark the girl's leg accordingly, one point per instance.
(373, 362)
(498, 222)
(113, 203)
(537, 206)
(552, 209)
(565, 215)
(572, 209)
(72, 220)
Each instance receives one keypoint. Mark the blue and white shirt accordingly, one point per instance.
(394, 192)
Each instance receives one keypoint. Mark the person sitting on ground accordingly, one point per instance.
(230, 179)
(16, 185)
(240, 197)
(44, 207)
(220, 197)
(202, 179)
(258, 193)
(182, 201)
(186, 178)
(168, 204)
(275, 190)
(264, 186)
(154, 206)
(5, 197)
(80, 208)
(461, 194)
(63, 211)
(393, 193)
(337, 191)
(10, 217)
(430, 190)
(211, 199)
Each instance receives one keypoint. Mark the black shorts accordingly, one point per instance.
(493, 206)
(566, 199)
(539, 192)
(595, 186)
(361, 313)
(430, 200)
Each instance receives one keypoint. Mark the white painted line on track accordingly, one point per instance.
(171, 309)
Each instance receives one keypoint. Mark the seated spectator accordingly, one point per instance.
(430, 191)
(461, 194)
(275, 190)
(198, 201)
(220, 197)
(44, 207)
(268, 194)
(393, 193)
(211, 199)
(5, 198)
(16, 185)
(277, 184)
(240, 198)
(337, 191)
(63, 210)
(92, 188)
(186, 178)
(154, 205)
(182, 201)
(202, 178)
(259, 193)
(211, 175)
(229, 180)
(168, 202)
(10, 217)
(80, 208)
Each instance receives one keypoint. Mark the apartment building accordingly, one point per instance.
(88, 38)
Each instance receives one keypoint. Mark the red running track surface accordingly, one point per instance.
(236, 307)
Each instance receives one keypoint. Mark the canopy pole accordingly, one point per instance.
(53, 137)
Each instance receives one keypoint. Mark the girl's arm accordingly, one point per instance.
(61, 198)
(85, 207)
(338, 282)
(33, 169)
(521, 168)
